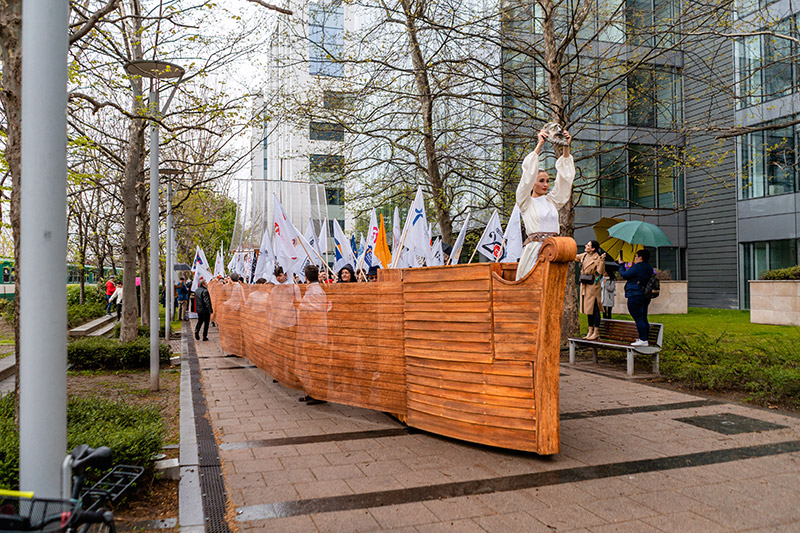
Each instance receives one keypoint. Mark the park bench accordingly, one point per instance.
(618, 335)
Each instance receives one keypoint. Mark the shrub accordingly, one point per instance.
(781, 274)
(768, 369)
(7, 310)
(91, 294)
(143, 331)
(78, 314)
(100, 353)
(134, 433)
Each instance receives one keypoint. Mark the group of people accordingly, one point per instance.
(539, 205)
(346, 274)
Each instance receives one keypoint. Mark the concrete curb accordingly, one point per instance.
(190, 498)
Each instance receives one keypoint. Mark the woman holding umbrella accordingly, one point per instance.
(593, 266)
(637, 276)
(538, 203)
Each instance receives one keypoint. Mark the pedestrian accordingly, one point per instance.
(202, 299)
(346, 274)
(110, 288)
(281, 278)
(637, 275)
(182, 289)
(116, 298)
(593, 266)
(609, 288)
(538, 203)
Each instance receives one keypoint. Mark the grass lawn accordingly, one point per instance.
(719, 349)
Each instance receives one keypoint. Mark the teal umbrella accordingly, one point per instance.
(639, 232)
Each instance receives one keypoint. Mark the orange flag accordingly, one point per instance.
(382, 246)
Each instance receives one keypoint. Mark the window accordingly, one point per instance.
(767, 65)
(337, 100)
(334, 195)
(326, 131)
(326, 38)
(768, 162)
(655, 176)
(757, 257)
(651, 22)
(654, 97)
(326, 164)
(330, 226)
(669, 259)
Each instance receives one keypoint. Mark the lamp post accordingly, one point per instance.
(168, 283)
(43, 249)
(155, 71)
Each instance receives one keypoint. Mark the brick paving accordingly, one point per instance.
(627, 463)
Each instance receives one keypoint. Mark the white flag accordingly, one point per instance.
(286, 239)
(322, 241)
(397, 231)
(343, 252)
(265, 264)
(200, 259)
(513, 238)
(219, 265)
(416, 229)
(369, 259)
(437, 255)
(307, 255)
(492, 239)
(201, 272)
(455, 253)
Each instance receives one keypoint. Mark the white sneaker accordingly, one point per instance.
(640, 342)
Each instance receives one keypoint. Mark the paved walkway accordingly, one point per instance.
(634, 458)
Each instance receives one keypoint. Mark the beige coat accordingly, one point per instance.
(591, 263)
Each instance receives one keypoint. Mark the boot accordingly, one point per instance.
(595, 334)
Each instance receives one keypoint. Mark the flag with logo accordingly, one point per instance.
(437, 255)
(513, 238)
(491, 241)
(285, 238)
(455, 254)
(382, 246)
(200, 259)
(343, 252)
(265, 264)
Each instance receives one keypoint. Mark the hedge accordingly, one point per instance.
(135, 434)
(782, 274)
(100, 353)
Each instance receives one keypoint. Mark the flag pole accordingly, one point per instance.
(400, 249)
(502, 245)
(315, 253)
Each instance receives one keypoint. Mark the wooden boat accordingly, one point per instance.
(461, 351)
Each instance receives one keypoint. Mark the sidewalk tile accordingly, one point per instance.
(457, 508)
(346, 521)
(511, 523)
(322, 489)
(404, 515)
(567, 517)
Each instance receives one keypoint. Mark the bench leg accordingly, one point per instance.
(655, 364)
(572, 353)
(594, 354)
(630, 362)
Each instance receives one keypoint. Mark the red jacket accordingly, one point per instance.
(110, 288)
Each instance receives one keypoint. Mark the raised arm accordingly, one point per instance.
(530, 169)
(565, 174)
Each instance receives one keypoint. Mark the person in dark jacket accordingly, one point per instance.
(637, 276)
(202, 300)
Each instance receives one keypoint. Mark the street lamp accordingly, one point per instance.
(155, 71)
(168, 283)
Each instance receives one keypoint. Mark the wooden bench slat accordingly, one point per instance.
(618, 335)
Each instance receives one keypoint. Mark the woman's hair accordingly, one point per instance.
(595, 246)
(352, 273)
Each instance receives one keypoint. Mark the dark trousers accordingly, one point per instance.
(109, 304)
(594, 318)
(119, 311)
(203, 318)
(607, 312)
(637, 307)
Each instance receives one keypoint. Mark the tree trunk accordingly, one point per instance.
(133, 167)
(11, 55)
(426, 103)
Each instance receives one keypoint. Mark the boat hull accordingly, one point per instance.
(460, 351)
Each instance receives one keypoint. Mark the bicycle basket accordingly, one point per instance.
(34, 514)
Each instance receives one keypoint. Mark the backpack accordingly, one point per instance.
(653, 287)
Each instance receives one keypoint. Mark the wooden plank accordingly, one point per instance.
(445, 296)
(424, 325)
(455, 308)
(473, 357)
(437, 345)
(461, 317)
(505, 368)
(525, 440)
(434, 275)
(469, 388)
(455, 286)
(476, 402)
(526, 422)
(449, 336)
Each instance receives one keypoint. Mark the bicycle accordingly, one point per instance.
(80, 509)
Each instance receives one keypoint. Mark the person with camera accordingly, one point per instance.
(637, 275)
(593, 266)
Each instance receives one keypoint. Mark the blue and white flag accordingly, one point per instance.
(200, 260)
(341, 247)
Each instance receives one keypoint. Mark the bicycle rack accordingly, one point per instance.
(111, 486)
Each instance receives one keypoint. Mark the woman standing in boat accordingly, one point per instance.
(538, 203)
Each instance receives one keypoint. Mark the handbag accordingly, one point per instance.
(587, 279)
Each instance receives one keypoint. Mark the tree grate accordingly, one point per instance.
(212, 484)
